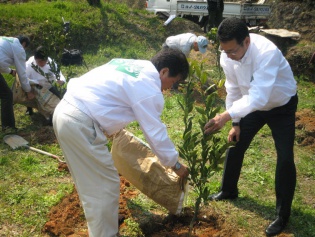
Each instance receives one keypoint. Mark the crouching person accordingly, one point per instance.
(105, 100)
(42, 72)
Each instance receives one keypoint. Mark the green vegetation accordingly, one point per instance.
(30, 183)
(202, 152)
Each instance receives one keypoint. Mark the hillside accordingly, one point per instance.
(297, 16)
(131, 26)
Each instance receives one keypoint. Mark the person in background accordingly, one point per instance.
(215, 10)
(186, 42)
(12, 52)
(261, 89)
(43, 62)
(104, 101)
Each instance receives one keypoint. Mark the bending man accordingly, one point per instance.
(261, 90)
(12, 52)
(106, 99)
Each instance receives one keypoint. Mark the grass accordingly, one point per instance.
(30, 183)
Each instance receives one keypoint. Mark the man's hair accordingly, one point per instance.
(24, 39)
(173, 59)
(40, 53)
(232, 28)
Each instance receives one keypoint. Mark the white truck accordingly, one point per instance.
(252, 13)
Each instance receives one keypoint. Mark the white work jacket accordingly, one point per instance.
(183, 42)
(39, 79)
(122, 91)
(13, 53)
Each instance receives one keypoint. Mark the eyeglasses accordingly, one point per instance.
(233, 52)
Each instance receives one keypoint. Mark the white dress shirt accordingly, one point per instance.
(37, 78)
(261, 80)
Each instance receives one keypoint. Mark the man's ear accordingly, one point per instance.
(24, 45)
(247, 41)
(164, 72)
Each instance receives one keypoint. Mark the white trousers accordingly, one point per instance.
(91, 166)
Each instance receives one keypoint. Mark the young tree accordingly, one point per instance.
(202, 153)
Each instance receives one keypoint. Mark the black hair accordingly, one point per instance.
(173, 59)
(232, 28)
(40, 53)
(24, 39)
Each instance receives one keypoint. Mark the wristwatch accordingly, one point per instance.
(177, 166)
(235, 124)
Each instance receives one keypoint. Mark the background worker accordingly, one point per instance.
(261, 89)
(43, 62)
(186, 42)
(12, 52)
(215, 10)
(105, 100)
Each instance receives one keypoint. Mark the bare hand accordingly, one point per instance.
(217, 122)
(60, 82)
(183, 172)
(234, 134)
(13, 72)
(30, 95)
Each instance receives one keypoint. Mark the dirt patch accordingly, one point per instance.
(298, 16)
(305, 122)
(67, 218)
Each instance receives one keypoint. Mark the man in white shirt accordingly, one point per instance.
(42, 62)
(186, 42)
(261, 90)
(105, 100)
(12, 52)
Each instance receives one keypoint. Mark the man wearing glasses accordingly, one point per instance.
(261, 90)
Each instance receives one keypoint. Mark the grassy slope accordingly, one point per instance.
(30, 183)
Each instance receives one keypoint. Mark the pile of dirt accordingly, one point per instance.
(305, 122)
(297, 16)
(67, 218)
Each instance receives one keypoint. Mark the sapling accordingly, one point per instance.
(202, 152)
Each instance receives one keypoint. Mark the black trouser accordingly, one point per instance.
(215, 12)
(6, 96)
(281, 121)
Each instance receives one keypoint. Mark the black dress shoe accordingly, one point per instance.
(223, 196)
(276, 227)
